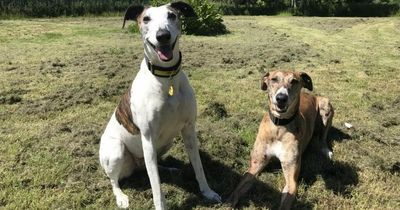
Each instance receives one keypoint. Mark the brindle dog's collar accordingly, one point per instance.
(278, 121)
(164, 71)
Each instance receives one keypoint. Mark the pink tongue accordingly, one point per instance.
(165, 55)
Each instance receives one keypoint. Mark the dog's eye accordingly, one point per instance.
(146, 19)
(171, 16)
(294, 81)
(274, 79)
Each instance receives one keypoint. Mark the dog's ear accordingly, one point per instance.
(183, 8)
(132, 13)
(264, 81)
(307, 82)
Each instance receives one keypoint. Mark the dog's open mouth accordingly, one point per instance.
(164, 52)
(281, 108)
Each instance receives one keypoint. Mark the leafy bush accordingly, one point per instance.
(157, 3)
(208, 21)
(133, 28)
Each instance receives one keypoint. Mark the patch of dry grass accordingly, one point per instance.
(60, 80)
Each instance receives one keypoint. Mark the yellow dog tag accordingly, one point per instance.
(171, 90)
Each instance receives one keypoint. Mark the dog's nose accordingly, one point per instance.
(163, 35)
(281, 98)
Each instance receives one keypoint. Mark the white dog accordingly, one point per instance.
(159, 105)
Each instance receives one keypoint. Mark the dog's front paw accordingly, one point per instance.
(122, 201)
(232, 201)
(212, 196)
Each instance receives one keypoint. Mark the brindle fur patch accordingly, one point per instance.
(123, 113)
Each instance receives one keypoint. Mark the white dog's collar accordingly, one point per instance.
(164, 71)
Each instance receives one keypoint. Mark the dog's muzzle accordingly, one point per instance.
(281, 102)
(163, 48)
(163, 36)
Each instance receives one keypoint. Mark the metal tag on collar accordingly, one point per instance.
(171, 90)
(171, 85)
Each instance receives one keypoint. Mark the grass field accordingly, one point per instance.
(60, 80)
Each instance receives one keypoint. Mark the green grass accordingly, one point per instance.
(287, 13)
(60, 80)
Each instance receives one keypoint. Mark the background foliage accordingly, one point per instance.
(54, 8)
(207, 22)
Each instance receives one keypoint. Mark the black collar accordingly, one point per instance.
(278, 121)
(164, 71)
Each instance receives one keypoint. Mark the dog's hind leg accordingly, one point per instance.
(326, 113)
(117, 163)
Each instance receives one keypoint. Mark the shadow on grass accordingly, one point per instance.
(338, 176)
(338, 135)
(221, 178)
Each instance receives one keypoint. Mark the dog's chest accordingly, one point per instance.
(162, 115)
(275, 149)
(172, 116)
(165, 120)
(283, 146)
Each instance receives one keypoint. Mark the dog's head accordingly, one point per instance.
(284, 88)
(160, 28)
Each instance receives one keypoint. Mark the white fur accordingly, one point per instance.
(159, 21)
(275, 150)
(281, 90)
(159, 117)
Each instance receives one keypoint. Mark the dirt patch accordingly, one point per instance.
(396, 102)
(332, 24)
(392, 121)
(11, 68)
(335, 61)
(395, 168)
(12, 99)
(61, 100)
(377, 107)
(55, 67)
(293, 54)
(82, 152)
(58, 63)
(12, 96)
(65, 128)
(272, 50)
(215, 110)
